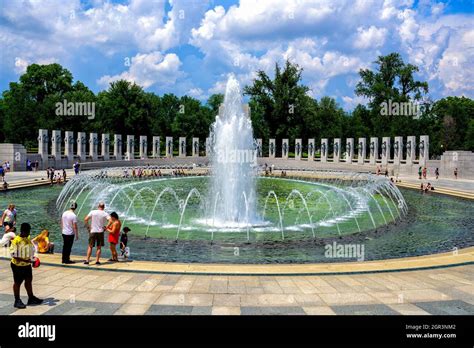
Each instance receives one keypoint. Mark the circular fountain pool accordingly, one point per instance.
(326, 205)
(340, 208)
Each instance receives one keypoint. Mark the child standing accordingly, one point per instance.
(124, 241)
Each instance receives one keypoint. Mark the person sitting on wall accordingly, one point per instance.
(429, 187)
(5, 186)
(42, 243)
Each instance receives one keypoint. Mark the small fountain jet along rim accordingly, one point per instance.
(83, 181)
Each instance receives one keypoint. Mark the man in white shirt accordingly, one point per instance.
(99, 220)
(69, 229)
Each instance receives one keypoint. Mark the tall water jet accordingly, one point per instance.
(233, 160)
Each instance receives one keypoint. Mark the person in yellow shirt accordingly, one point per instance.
(42, 243)
(22, 252)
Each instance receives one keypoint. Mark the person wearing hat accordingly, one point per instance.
(69, 230)
(22, 251)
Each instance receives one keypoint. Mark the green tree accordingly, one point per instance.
(452, 118)
(280, 100)
(192, 119)
(392, 81)
(214, 102)
(29, 104)
(124, 109)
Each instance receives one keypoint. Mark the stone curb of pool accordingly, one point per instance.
(443, 260)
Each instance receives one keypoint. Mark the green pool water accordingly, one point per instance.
(434, 223)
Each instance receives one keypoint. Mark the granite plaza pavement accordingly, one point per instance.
(74, 291)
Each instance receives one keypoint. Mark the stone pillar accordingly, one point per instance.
(311, 149)
(118, 146)
(362, 149)
(69, 145)
(130, 147)
(298, 149)
(56, 144)
(93, 146)
(195, 149)
(324, 150)
(169, 147)
(259, 148)
(385, 150)
(284, 148)
(411, 149)
(374, 150)
(81, 145)
(182, 147)
(271, 148)
(397, 150)
(336, 155)
(105, 147)
(16, 155)
(208, 147)
(156, 147)
(424, 147)
(143, 147)
(349, 150)
(43, 142)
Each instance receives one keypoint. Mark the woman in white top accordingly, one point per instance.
(8, 216)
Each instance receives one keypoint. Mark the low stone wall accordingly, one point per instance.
(15, 154)
(462, 160)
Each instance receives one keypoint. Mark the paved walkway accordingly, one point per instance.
(89, 292)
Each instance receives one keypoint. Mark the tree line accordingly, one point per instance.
(281, 107)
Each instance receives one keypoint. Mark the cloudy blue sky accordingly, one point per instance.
(190, 46)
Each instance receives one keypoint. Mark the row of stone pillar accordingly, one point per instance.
(88, 146)
(361, 149)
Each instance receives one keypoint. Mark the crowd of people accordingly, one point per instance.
(56, 176)
(149, 171)
(24, 250)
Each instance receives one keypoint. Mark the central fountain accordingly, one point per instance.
(233, 163)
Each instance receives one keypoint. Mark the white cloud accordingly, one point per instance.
(371, 37)
(21, 64)
(149, 69)
(197, 93)
(330, 40)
